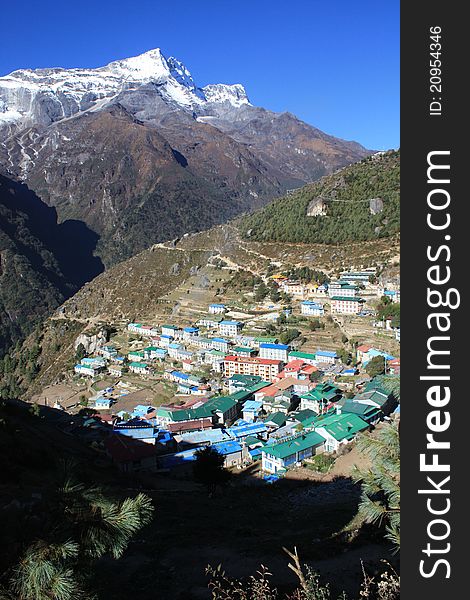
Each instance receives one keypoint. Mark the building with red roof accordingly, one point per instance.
(265, 368)
(362, 352)
(129, 454)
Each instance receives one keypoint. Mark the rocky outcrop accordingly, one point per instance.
(376, 206)
(92, 340)
(317, 207)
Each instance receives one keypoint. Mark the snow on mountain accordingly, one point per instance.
(183, 76)
(219, 92)
(42, 96)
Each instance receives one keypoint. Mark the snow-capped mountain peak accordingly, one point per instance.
(149, 66)
(43, 96)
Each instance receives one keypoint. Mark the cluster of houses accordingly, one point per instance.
(213, 341)
(272, 407)
(253, 423)
(90, 366)
(280, 422)
(343, 294)
(392, 294)
(365, 353)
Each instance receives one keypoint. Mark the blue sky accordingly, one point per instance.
(333, 63)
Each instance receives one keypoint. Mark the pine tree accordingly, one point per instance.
(82, 523)
(380, 500)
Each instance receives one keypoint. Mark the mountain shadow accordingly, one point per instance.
(42, 262)
(246, 523)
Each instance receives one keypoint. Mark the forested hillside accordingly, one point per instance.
(358, 203)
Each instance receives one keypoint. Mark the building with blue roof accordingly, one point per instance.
(177, 459)
(152, 353)
(230, 328)
(217, 309)
(312, 309)
(118, 359)
(349, 372)
(96, 361)
(187, 388)
(174, 349)
(220, 344)
(251, 409)
(273, 346)
(251, 405)
(207, 437)
(190, 332)
(325, 356)
(274, 351)
(373, 352)
(102, 403)
(179, 376)
(394, 295)
(165, 340)
(233, 452)
(144, 431)
(240, 432)
(255, 453)
(142, 409)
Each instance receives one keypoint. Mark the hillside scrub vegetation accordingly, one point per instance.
(359, 203)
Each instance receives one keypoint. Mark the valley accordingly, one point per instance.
(187, 277)
(133, 154)
(140, 154)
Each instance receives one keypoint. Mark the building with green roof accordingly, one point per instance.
(242, 351)
(302, 416)
(241, 395)
(339, 429)
(386, 383)
(277, 418)
(252, 442)
(139, 367)
(220, 409)
(210, 321)
(244, 382)
(379, 397)
(309, 422)
(370, 414)
(346, 305)
(256, 387)
(290, 451)
(308, 357)
(265, 340)
(322, 395)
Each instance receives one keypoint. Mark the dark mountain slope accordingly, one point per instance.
(130, 186)
(41, 263)
(140, 154)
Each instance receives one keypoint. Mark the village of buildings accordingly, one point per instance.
(161, 391)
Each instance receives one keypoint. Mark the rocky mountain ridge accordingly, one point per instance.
(140, 153)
